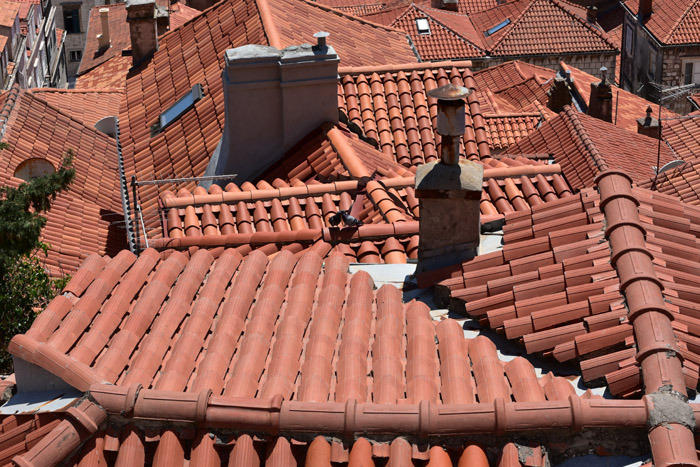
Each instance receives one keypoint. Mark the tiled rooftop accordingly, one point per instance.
(521, 84)
(582, 144)
(119, 35)
(88, 106)
(539, 27)
(108, 75)
(8, 13)
(682, 181)
(563, 286)
(88, 218)
(683, 135)
(252, 328)
(393, 109)
(672, 22)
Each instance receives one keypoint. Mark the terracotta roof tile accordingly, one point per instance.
(88, 218)
(292, 329)
(583, 144)
(683, 135)
(85, 105)
(672, 22)
(9, 12)
(108, 75)
(580, 306)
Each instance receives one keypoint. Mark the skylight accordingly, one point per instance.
(423, 26)
(178, 108)
(497, 27)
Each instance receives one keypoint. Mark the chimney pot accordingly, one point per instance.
(321, 39)
(451, 119)
(103, 39)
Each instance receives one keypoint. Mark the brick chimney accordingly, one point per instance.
(649, 125)
(142, 19)
(645, 8)
(449, 190)
(273, 98)
(103, 39)
(600, 102)
(558, 94)
(592, 14)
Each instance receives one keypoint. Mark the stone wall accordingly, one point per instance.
(590, 63)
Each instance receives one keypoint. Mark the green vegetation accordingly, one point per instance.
(25, 286)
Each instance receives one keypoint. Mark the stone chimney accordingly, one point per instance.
(649, 125)
(558, 94)
(592, 14)
(103, 39)
(273, 98)
(449, 191)
(600, 102)
(142, 19)
(645, 8)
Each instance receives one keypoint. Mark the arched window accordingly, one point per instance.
(34, 167)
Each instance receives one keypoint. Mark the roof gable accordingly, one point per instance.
(672, 22)
(539, 27)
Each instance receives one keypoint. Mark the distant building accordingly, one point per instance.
(31, 48)
(661, 49)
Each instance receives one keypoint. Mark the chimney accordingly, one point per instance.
(600, 102)
(645, 8)
(649, 125)
(142, 18)
(452, 5)
(103, 39)
(449, 191)
(558, 94)
(592, 14)
(273, 98)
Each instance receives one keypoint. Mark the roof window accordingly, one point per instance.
(423, 26)
(182, 105)
(497, 27)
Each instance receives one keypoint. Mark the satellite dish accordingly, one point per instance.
(672, 165)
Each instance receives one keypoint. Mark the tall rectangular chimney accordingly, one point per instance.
(449, 191)
(600, 102)
(142, 18)
(645, 8)
(273, 98)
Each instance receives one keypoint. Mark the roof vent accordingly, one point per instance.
(423, 26)
(649, 126)
(496, 28)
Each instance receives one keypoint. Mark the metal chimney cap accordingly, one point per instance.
(321, 38)
(449, 92)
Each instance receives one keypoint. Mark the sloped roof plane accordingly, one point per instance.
(673, 22)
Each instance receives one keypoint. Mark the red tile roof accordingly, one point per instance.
(8, 13)
(673, 22)
(120, 38)
(682, 182)
(85, 105)
(88, 218)
(582, 144)
(561, 286)
(505, 130)
(540, 27)
(451, 36)
(521, 84)
(683, 135)
(261, 331)
(108, 75)
(392, 108)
